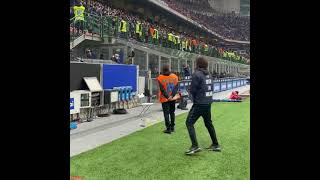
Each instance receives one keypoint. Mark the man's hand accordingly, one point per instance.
(170, 98)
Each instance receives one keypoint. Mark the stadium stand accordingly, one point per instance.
(100, 18)
(228, 25)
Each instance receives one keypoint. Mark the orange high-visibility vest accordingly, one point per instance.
(151, 31)
(168, 83)
(194, 42)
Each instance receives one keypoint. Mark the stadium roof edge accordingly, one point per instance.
(166, 7)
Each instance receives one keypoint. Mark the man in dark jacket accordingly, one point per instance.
(201, 92)
(186, 70)
(183, 100)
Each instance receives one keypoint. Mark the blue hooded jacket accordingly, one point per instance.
(201, 87)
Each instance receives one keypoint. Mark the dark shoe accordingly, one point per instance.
(184, 108)
(172, 129)
(167, 131)
(214, 148)
(193, 150)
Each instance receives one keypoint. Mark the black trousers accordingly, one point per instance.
(138, 37)
(183, 102)
(171, 44)
(194, 114)
(79, 26)
(168, 109)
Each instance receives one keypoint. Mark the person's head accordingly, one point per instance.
(202, 63)
(237, 92)
(166, 69)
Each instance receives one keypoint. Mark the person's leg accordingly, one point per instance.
(80, 28)
(184, 104)
(146, 40)
(83, 27)
(206, 114)
(191, 120)
(77, 25)
(166, 111)
(150, 40)
(172, 114)
(180, 103)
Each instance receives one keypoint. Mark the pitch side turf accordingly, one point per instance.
(150, 154)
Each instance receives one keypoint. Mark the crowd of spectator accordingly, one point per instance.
(95, 8)
(228, 25)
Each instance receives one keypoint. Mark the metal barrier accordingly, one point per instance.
(220, 85)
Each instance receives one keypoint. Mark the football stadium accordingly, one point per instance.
(160, 89)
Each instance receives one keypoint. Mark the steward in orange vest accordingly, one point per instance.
(168, 85)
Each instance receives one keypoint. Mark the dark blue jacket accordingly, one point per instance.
(201, 87)
(186, 71)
